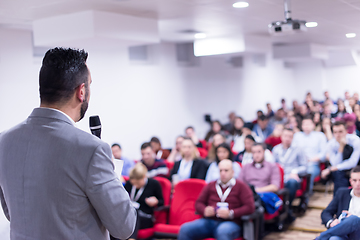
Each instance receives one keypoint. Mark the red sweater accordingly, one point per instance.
(240, 199)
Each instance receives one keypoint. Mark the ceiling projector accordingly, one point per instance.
(288, 26)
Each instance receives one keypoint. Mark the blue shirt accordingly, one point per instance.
(262, 134)
(128, 165)
(312, 144)
(213, 173)
(336, 158)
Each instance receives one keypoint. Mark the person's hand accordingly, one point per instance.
(343, 141)
(151, 201)
(295, 176)
(314, 159)
(325, 173)
(347, 212)
(209, 211)
(334, 223)
(223, 213)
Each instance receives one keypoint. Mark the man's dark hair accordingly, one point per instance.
(288, 129)
(259, 144)
(250, 137)
(355, 170)
(339, 123)
(262, 118)
(62, 71)
(308, 117)
(155, 140)
(190, 127)
(116, 145)
(145, 145)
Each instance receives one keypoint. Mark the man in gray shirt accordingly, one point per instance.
(61, 183)
(292, 159)
(344, 154)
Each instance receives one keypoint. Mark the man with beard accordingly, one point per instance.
(61, 184)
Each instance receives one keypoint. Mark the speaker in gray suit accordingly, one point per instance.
(57, 181)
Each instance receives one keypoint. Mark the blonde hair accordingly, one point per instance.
(139, 171)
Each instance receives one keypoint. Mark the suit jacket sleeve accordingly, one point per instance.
(158, 193)
(108, 196)
(331, 209)
(199, 169)
(4, 205)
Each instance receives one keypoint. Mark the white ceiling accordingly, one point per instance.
(214, 17)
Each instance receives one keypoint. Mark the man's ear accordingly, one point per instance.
(80, 92)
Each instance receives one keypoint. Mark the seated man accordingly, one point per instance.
(128, 164)
(263, 175)
(292, 159)
(190, 133)
(262, 129)
(156, 146)
(155, 167)
(313, 144)
(344, 153)
(345, 201)
(221, 204)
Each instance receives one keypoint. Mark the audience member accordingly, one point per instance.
(236, 131)
(303, 112)
(344, 154)
(356, 97)
(262, 129)
(269, 111)
(346, 100)
(155, 167)
(229, 126)
(350, 120)
(217, 140)
(263, 175)
(293, 123)
(326, 128)
(245, 156)
(283, 105)
(145, 194)
(189, 166)
(221, 204)
(314, 146)
(292, 159)
(278, 118)
(357, 114)
(175, 154)
(317, 120)
(156, 146)
(190, 133)
(346, 201)
(223, 151)
(239, 142)
(327, 112)
(274, 139)
(352, 103)
(296, 107)
(215, 129)
(341, 109)
(117, 153)
(309, 102)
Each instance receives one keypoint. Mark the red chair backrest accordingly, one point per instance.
(203, 152)
(161, 216)
(183, 202)
(204, 144)
(281, 169)
(169, 165)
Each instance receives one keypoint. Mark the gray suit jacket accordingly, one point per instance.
(58, 182)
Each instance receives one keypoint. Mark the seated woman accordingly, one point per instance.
(223, 151)
(189, 166)
(145, 194)
(246, 157)
(217, 140)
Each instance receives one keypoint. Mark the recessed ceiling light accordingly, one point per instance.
(199, 35)
(240, 5)
(350, 35)
(311, 24)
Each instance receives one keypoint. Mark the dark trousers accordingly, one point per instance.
(141, 223)
(341, 179)
(292, 185)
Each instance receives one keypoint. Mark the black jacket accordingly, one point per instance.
(198, 169)
(340, 202)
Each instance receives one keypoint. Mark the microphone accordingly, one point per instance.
(95, 126)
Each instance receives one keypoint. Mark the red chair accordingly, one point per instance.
(318, 178)
(204, 144)
(182, 208)
(203, 152)
(281, 214)
(160, 213)
(303, 193)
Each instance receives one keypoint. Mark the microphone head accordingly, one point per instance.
(95, 125)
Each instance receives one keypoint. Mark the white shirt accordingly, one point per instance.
(354, 206)
(184, 171)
